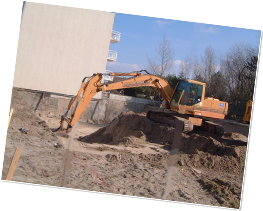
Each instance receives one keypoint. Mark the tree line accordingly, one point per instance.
(229, 77)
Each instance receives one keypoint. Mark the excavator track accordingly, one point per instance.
(170, 119)
(213, 128)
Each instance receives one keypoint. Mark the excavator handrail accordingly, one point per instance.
(135, 73)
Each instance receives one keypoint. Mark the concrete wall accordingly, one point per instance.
(97, 111)
(59, 46)
(133, 99)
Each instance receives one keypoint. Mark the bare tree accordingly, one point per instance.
(185, 68)
(208, 68)
(239, 75)
(181, 73)
(218, 87)
(212, 77)
(209, 63)
(203, 71)
(162, 62)
(197, 70)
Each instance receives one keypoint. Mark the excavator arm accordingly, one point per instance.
(92, 85)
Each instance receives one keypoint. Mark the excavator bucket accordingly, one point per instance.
(61, 131)
(61, 134)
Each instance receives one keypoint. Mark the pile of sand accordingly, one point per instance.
(200, 149)
(130, 129)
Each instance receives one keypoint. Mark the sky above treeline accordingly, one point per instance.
(140, 36)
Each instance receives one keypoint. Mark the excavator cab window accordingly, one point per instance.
(189, 93)
(192, 94)
(177, 93)
(199, 93)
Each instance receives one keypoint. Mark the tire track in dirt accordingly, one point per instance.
(66, 163)
(68, 156)
(173, 158)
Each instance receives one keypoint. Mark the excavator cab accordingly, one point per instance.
(187, 93)
(189, 99)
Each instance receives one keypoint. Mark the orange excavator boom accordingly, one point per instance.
(90, 86)
(186, 102)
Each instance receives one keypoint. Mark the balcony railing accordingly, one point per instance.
(115, 37)
(107, 77)
(112, 56)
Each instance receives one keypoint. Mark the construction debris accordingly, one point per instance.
(23, 130)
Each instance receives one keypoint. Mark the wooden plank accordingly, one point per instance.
(12, 167)
(10, 116)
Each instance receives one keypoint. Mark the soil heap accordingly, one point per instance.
(197, 148)
(42, 156)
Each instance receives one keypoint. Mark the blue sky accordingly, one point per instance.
(140, 36)
(235, 13)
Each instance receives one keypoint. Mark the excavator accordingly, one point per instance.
(186, 102)
(247, 115)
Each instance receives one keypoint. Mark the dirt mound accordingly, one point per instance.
(200, 149)
(42, 153)
(131, 129)
(235, 136)
(206, 142)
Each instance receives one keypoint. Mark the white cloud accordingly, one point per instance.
(162, 23)
(176, 67)
(123, 67)
(211, 30)
(177, 62)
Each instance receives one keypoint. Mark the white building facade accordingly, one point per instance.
(58, 46)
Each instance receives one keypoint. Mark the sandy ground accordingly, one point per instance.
(130, 156)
